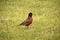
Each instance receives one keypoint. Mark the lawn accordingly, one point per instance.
(45, 25)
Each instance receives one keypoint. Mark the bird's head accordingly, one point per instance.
(30, 14)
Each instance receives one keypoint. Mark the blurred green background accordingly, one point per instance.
(46, 19)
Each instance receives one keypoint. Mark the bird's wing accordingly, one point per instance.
(25, 22)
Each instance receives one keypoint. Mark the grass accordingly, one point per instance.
(46, 19)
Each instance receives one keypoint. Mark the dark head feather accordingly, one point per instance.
(30, 14)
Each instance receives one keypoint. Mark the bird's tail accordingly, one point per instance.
(20, 24)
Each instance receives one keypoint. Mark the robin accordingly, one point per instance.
(28, 21)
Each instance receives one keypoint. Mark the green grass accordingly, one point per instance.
(46, 19)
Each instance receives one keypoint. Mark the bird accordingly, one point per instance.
(28, 21)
